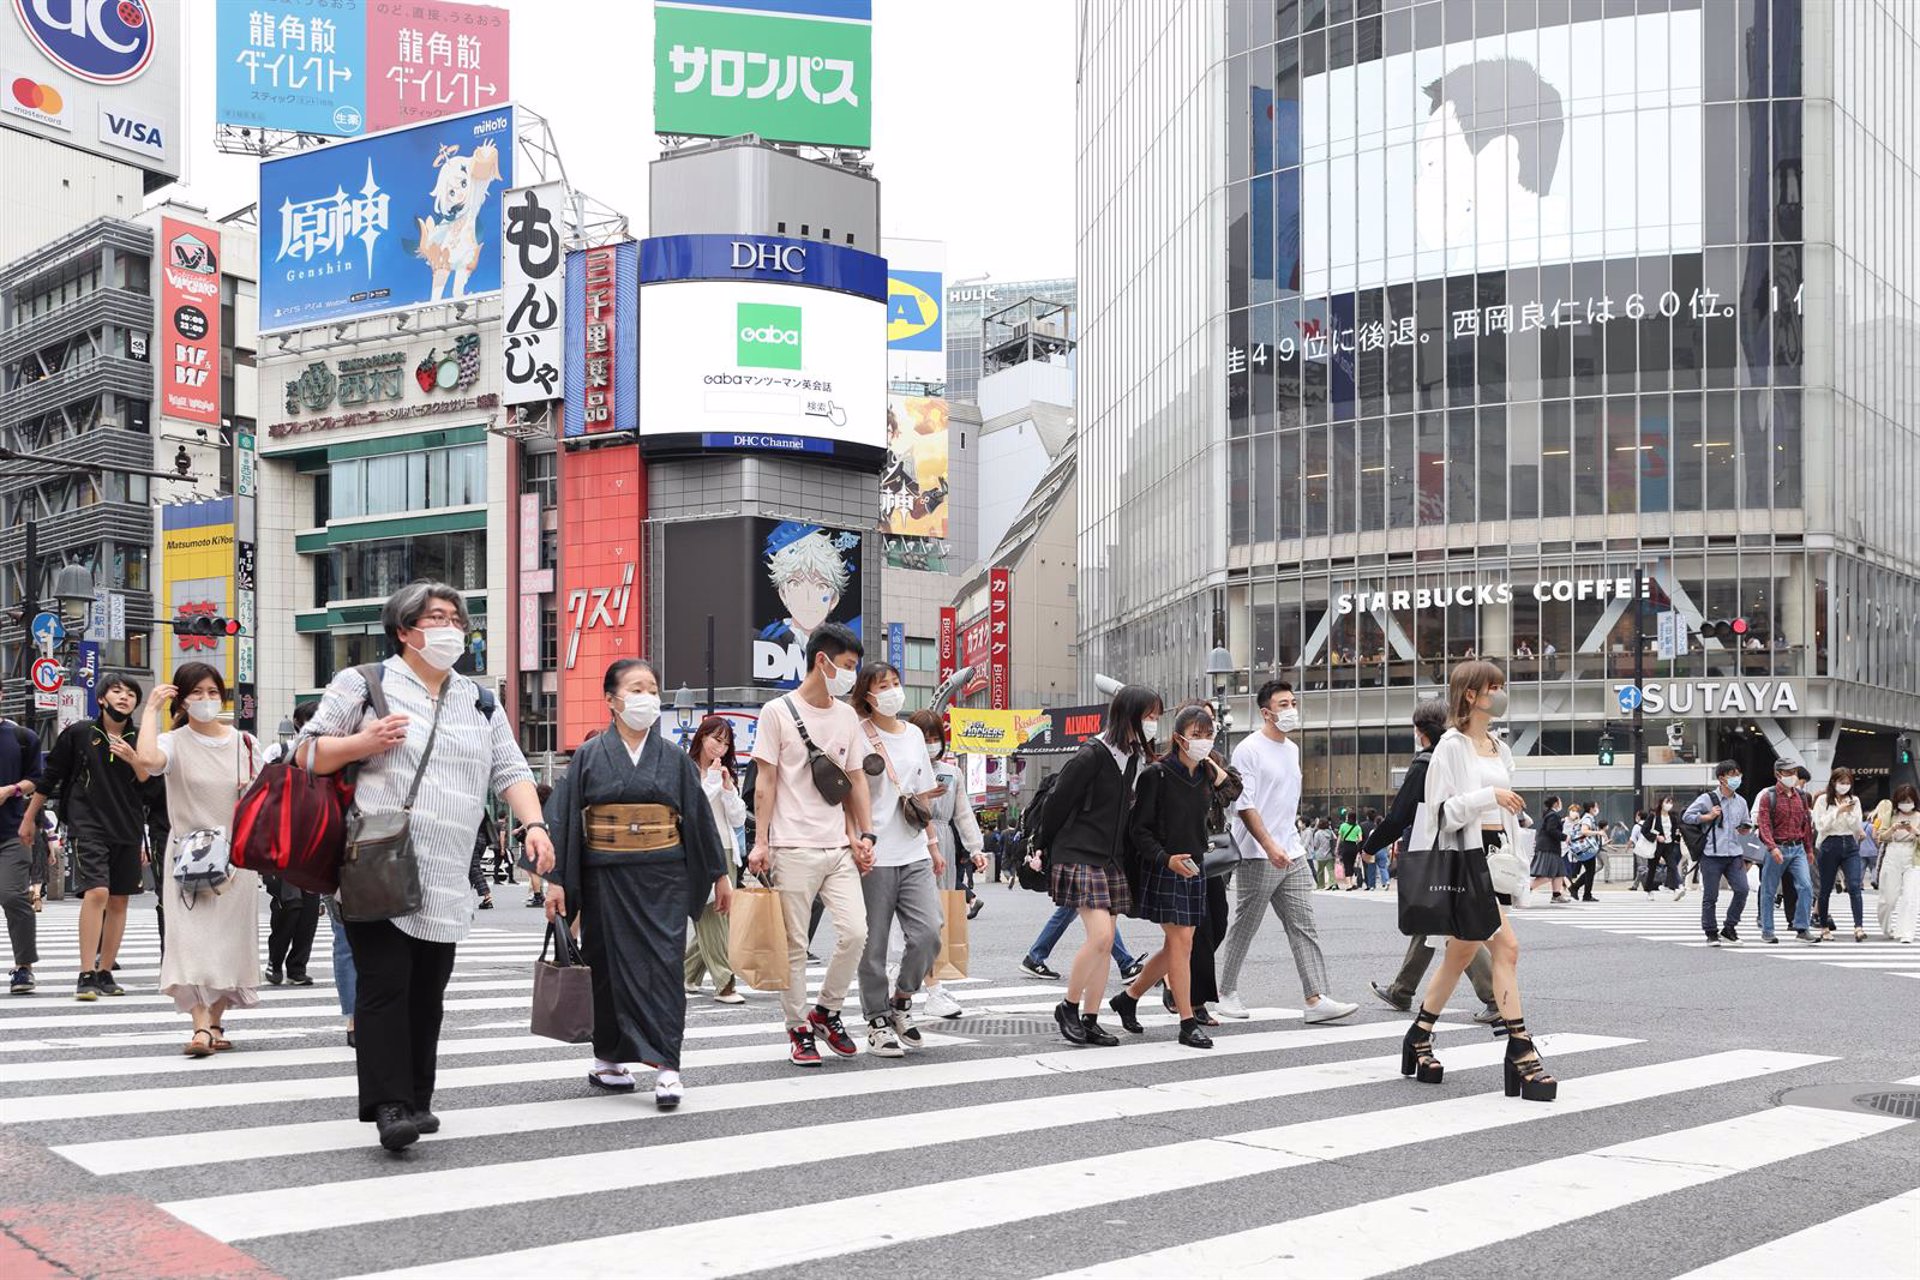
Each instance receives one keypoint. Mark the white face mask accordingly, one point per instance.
(1906, 807)
(1666, 808)
(1841, 788)
(889, 701)
(1151, 728)
(204, 709)
(934, 753)
(840, 681)
(1287, 720)
(640, 711)
(1197, 749)
(441, 647)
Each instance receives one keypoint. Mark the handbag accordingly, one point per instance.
(950, 965)
(203, 858)
(379, 870)
(562, 990)
(917, 812)
(757, 938)
(832, 782)
(1220, 858)
(1446, 892)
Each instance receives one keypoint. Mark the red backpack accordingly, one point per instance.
(292, 822)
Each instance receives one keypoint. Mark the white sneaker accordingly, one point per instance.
(942, 1005)
(1329, 1010)
(1231, 1006)
(730, 996)
(690, 990)
(1681, 892)
(667, 1090)
(904, 1027)
(882, 1042)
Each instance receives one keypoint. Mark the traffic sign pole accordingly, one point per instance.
(1640, 692)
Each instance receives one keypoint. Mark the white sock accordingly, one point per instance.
(601, 1067)
(671, 1079)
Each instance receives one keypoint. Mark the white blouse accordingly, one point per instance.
(1460, 795)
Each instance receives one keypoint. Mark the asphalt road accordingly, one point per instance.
(1678, 1140)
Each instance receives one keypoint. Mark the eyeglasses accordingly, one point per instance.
(441, 618)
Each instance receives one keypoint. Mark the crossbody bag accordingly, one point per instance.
(380, 871)
(832, 781)
(917, 812)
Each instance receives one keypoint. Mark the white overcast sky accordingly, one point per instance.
(972, 119)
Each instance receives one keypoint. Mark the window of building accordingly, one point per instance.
(399, 483)
(375, 570)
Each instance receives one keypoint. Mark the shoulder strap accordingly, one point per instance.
(426, 754)
(799, 722)
(24, 737)
(374, 673)
(873, 736)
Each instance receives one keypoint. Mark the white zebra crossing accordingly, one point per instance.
(1679, 923)
(258, 1147)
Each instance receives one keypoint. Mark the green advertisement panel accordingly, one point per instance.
(789, 77)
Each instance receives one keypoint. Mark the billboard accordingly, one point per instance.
(533, 334)
(603, 505)
(435, 377)
(603, 334)
(349, 67)
(189, 324)
(915, 484)
(197, 578)
(803, 73)
(949, 643)
(101, 77)
(1502, 151)
(384, 223)
(807, 574)
(1000, 638)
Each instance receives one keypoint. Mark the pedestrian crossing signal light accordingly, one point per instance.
(1904, 749)
(1606, 749)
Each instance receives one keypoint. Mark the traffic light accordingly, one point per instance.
(1730, 632)
(1606, 750)
(1903, 749)
(206, 625)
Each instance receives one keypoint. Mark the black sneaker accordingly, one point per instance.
(83, 988)
(425, 1122)
(828, 1027)
(274, 976)
(106, 986)
(1387, 998)
(1730, 937)
(1038, 969)
(1132, 971)
(22, 984)
(396, 1126)
(300, 980)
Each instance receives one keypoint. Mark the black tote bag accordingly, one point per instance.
(1447, 893)
(562, 990)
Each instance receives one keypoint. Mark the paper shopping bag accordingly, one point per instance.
(951, 964)
(757, 939)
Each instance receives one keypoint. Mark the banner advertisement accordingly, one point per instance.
(603, 505)
(915, 483)
(534, 276)
(435, 376)
(348, 67)
(196, 579)
(973, 731)
(897, 647)
(99, 77)
(949, 644)
(974, 652)
(189, 322)
(384, 223)
(1066, 729)
(728, 67)
(602, 289)
(1000, 637)
(810, 575)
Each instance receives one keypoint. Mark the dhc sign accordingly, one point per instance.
(790, 258)
(1718, 697)
(766, 259)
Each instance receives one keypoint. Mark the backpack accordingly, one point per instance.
(203, 860)
(1030, 877)
(292, 822)
(1693, 834)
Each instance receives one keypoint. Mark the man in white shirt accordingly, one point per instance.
(1273, 869)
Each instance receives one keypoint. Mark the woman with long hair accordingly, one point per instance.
(1660, 827)
(212, 961)
(712, 753)
(1471, 804)
(1897, 827)
(1084, 829)
(1838, 824)
(1170, 838)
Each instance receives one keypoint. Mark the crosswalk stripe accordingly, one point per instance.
(270, 996)
(1879, 1242)
(340, 1204)
(139, 1155)
(789, 1236)
(1440, 1222)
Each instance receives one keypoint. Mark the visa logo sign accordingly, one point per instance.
(132, 133)
(913, 311)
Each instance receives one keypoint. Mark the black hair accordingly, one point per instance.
(1190, 715)
(862, 698)
(189, 676)
(1533, 114)
(1726, 767)
(1267, 691)
(617, 672)
(1430, 720)
(121, 682)
(928, 722)
(833, 639)
(1124, 714)
(1553, 802)
(303, 713)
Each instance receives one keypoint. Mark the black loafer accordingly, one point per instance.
(1069, 1019)
(1193, 1037)
(1097, 1034)
(1127, 1009)
(396, 1126)
(426, 1122)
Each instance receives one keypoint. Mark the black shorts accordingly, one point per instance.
(99, 862)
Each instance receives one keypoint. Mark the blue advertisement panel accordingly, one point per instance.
(287, 64)
(386, 222)
(608, 311)
(771, 259)
(914, 321)
(897, 646)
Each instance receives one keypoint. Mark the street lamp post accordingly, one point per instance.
(684, 710)
(1220, 668)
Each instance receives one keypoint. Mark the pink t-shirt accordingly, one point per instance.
(801, 819)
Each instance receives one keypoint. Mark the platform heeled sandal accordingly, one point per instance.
(1416, 1051)
(1526, 1075)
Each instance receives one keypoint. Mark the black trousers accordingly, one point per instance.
(1669, 854)
(1207, 937)
(292, 924)
(1583, 878)
(396, 1014)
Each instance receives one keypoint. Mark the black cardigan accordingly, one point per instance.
(1406, 803)
(1084, 822)
(1170, 813)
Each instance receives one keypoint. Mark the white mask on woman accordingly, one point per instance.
(1197, 749)
(1906, 806)
(934, 753)
(1841, 788)
(889, 701)
(640, 711)
(1151, 728)
(441, 647)
(204, 710)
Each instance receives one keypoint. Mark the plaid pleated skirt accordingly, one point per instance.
(1169, 898)
(1100, 888)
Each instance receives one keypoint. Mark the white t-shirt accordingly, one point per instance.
(896, 843)
(1270, 785)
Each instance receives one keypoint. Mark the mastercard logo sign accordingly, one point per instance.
(38, 97)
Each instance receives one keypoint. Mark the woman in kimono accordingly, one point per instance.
(636, 855)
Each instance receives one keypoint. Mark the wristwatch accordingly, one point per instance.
(532, 826)
(869, 837)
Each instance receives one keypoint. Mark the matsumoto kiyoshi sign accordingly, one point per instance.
(1469, 594)
(788, 70)
(1716, 697)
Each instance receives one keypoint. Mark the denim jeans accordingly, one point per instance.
(345, 976)
(1056, 925)
(1793, 864)
(1384, 862)
(1712, 871)
(1840, 855)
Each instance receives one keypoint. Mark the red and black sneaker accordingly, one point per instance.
(800, 1050)
(828, 1027)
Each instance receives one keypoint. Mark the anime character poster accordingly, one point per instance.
(914, 486)
(808, 575)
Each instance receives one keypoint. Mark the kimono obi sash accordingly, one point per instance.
(631, 828)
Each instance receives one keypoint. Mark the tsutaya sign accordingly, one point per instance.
(1468, 594)
(1718, 697)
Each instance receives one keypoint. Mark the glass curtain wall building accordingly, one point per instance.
(1504, 304)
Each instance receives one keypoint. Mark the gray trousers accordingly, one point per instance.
(910, 894)
(1406, 983)
(1290, 894)
(16, 865)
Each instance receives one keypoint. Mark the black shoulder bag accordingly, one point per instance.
(833, 783)
(380, 874)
